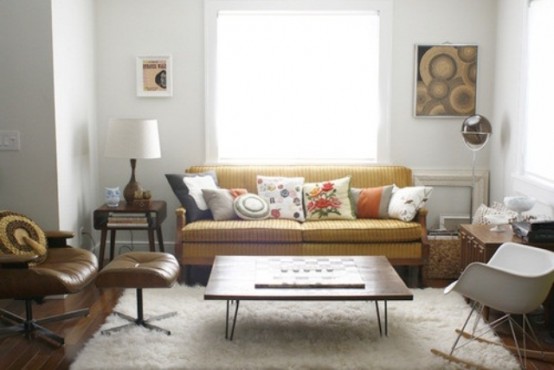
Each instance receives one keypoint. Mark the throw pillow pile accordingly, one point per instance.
(292, 198)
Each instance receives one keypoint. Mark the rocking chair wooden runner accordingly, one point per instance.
(516, 281)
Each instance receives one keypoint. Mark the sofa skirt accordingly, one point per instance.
(397, 253)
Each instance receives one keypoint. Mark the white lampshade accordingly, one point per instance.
(133, 138)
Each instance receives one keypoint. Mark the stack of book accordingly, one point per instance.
(121, 219)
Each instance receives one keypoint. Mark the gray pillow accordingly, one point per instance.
(220, 203)
(190, 195)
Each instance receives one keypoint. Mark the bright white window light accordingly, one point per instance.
(297, 86)
(540, 79)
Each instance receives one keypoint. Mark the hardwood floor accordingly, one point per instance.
(17, 352)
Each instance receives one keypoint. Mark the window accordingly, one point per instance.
(539, 119)
(297, 82)
(536, 177)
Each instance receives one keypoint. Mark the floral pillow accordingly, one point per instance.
(328, 200)
(284, 195)
(405, 202)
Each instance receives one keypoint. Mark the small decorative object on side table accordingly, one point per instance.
(148, 216)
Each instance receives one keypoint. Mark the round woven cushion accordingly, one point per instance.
(251, 207)
(19, 235)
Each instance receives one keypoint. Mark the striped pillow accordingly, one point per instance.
(372, 202)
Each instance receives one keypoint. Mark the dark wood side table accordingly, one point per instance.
(479, 243)
(154, 213)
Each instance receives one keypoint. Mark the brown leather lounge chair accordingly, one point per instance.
(29, 271)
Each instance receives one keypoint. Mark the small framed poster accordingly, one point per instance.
(445, 80)
(154, 77)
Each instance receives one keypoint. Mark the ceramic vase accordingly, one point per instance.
(113, 196)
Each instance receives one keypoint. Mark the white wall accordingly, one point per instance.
(427, 142)
(74, 83)
(127, 28)
(431, 143)
(130, 28)
(508, 84)
(124, 29)
(28, 176)
(508, 112)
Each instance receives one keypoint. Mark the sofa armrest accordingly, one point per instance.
(181, 221)
(421, 217)
(10, 261)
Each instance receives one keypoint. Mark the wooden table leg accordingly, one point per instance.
(151, 240)
(160, 238)
(103, 235)
(112, 243)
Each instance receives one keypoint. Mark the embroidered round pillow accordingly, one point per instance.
(19, 235)
(251, 207)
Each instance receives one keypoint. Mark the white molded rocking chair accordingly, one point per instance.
(516, 281)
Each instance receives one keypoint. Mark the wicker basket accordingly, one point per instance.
(444, 257)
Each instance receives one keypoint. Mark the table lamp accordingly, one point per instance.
(133, 139)
(476, 131)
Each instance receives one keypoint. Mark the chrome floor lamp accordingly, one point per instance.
(476, 131)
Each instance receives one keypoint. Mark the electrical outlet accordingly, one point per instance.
(82, 231)
(9, 140)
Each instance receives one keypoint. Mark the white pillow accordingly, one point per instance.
(405, 202)
(498, 209)
(195, 186)
(284, 195)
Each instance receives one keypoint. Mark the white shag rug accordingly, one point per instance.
(287, 335)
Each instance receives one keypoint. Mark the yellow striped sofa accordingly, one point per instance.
(403, 243)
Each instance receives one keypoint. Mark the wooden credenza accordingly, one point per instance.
(478, 243)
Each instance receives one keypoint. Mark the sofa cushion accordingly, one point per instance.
(236, 231)
(405, 202)
(328, 200)
(284, 195)
(361, 231)
(188, 189)
(244, 176)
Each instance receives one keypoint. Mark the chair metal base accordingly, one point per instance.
(140, 319)
(520, 351)
(30, 326)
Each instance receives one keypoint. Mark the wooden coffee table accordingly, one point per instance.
(234, 279)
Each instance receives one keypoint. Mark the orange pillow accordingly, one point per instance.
(374, 202)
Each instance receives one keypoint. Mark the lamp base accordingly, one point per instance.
(133, 186)
(131, 190)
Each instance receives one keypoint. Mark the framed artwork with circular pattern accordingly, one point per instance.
(445, 80)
